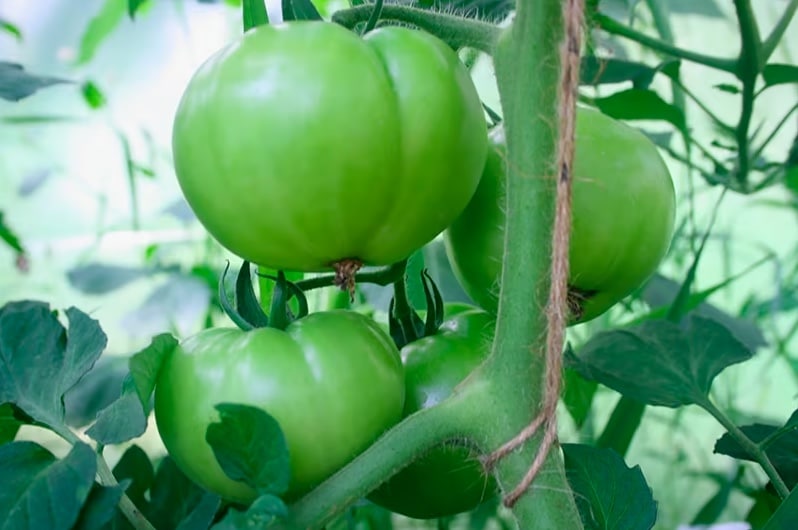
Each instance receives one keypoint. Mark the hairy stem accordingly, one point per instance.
(457, 32)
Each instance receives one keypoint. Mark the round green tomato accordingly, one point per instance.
(447, 480)
(334, 382)
(623, 218)
(302, 144)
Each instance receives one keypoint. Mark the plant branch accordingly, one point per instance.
(749, 446)
(382, 276)
(774, 132)
(457, 32)
(772, 41)
(749, 66)
(614, 27)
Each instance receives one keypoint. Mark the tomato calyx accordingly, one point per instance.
(576, 300)
(404, 324)
(345, 271)
(248, 313)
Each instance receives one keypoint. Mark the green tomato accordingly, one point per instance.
(334, 382)
(302, 144)
(623, 218)
(447, 480)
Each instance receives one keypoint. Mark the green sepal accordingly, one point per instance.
(247, 304)
(284, 291)
(404, 324)
(227, 306)
(435, 309)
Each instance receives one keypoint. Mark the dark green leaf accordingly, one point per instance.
(133, 6)
(145, 365)
(122, 420)
(601, 70)
(203, 513)
(659, 362)
(778, 74)
(100, 28)
(16, 83)
(783, 451)
(172, 496)
(786, 516)
(639, 104)
(8, 27)
(41, 492)
(263, 512)
(250, 447)
(255, 14)
(135, 467)
(578, 395)
(100, 506)
(766, 502)
(96, 278)
(42, 360)
(7, 235)
(95, 391)
(609, 495)
(730, 89)
(9, 424)
(92, 95)
(622, 425)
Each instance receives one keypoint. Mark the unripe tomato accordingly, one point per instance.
(300, 145)
(622, 212)
(333, 381)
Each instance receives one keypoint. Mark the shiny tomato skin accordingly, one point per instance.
(301, 144)
(448, 480)
(334, 382)
(623, 214)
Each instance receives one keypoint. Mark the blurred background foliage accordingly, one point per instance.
(92, 216)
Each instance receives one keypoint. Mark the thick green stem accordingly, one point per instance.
(457, 32)
(750, 447)
(527, 62)
(610, 25)
(382, 276)
(749, 66)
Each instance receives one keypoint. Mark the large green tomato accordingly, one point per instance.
(448, 480)
(302, 144)
(334, 382)
(623, 218)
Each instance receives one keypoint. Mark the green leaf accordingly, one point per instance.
(40, 491)
(779, 74)
(100, 506)
(255, 14)
(122, 420)
(8, 27)
(145, 365)
(578, 395)
(786, 516)
(92, 95)
(7, 235)
(766, 502)
(609, 495)
(100, 28)
(97, 278)
(9, 424)
(262, 513)
(133, 6)
(172, 496)
(42, 360)
(17, 84)
(639, 104)
(135, 467)
(659, 362)
(250, 447)
(95, 391)
(601, 70)
(729, 89)
(201, 517)
(783, 451)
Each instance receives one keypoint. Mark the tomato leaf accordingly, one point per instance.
(17, 84)
(659, 362)
(250, 447)
(786, 516)
(145, 365)
(95, 391)
(135, 468)
(122, 420)
(100, 506)
(778, 74)
(265, 510)
(100, 28)
(578, 395)
(609, 494)
(42, 361)
(782, 451)
(40, 491)
(173, 496)
(255, 14)
(97, 278)
(9, 424)
(640, 104)
(201, 517)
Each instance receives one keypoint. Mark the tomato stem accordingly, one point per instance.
(382, 276)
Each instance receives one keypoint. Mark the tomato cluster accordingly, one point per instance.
(302, 146)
